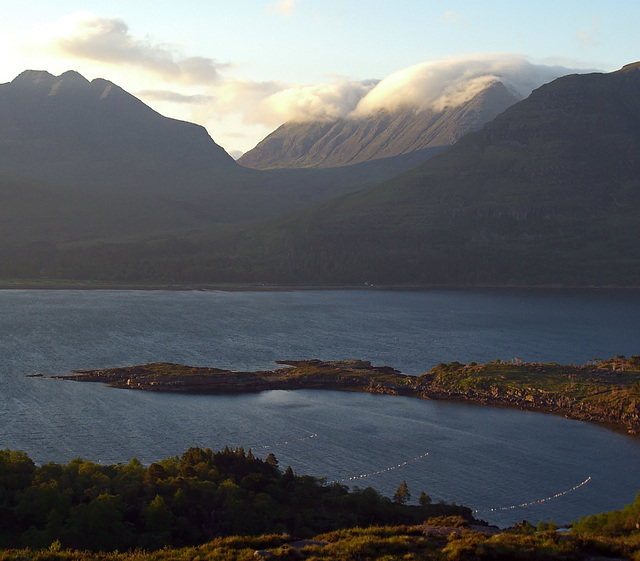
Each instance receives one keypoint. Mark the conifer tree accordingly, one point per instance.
(424, 499)
(402, 494)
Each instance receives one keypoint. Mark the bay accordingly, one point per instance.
(509, 465)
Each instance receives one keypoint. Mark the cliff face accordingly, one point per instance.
(623, 415)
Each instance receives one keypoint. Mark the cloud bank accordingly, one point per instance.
(283, 7)
(430, 85)
(107, 40)
(197, 89)
(452, 82)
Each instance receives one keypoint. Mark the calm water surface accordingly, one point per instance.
(509, 465)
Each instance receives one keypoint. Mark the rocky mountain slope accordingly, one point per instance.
(386, 134)
(546, 193)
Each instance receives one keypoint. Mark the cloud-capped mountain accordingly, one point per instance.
(386, 133)
(546, 193)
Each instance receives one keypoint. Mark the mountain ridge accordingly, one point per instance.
(50, 125)
(546, 194)
(385, 134)
(85, 161)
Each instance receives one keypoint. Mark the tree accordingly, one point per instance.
(271, 460)
(158, 516)
(424, 499)
(402, 494)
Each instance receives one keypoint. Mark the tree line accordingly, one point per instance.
(181, 501)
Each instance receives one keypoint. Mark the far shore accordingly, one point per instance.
(90, 285)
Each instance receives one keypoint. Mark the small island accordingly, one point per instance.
(606, 392)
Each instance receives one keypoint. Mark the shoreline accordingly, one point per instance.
(607, 394)
(62, 285)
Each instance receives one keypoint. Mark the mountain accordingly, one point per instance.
(80, 160)
(385, 134)
(65, 129)
(546, 193)
(85, 161)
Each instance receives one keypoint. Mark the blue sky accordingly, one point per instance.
(242, 68)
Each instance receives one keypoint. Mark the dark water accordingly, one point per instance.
(488, 459)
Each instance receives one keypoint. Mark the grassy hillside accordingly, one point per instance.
(435, 541)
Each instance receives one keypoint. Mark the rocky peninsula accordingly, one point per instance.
(604, 392)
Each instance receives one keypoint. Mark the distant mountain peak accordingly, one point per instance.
(381, 134)
(73, 77)
(67, 128)
(33, 77)
(70, 80)
(41, 82)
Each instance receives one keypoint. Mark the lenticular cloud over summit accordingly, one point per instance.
(429, 85)
(449, 83)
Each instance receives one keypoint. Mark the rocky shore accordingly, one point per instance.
(607, 393)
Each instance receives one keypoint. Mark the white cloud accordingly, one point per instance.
(107, 40)
(283, 7)
(451, 82)
(175, 97)
(198, 81)
(319, 101)
(589, 37)
(430, 85)
(453, 17)
(194, 88)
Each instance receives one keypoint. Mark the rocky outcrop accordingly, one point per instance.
(312, 374)
(606, 394)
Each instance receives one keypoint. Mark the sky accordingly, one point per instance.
(241, 68)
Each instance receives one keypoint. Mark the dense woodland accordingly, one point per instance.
(182, 501)
(230, 505)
